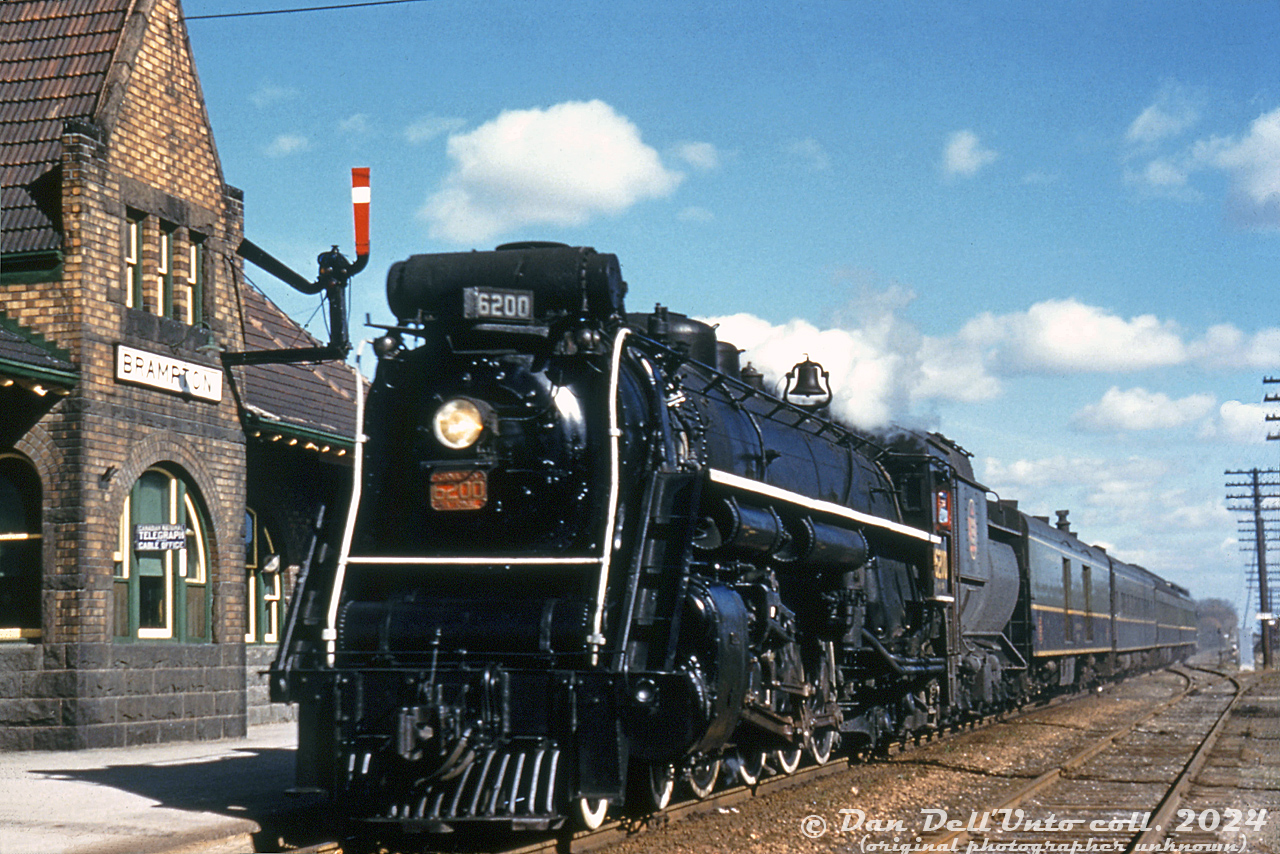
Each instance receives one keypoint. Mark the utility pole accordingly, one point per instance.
(1261, 485)
(1271, 397)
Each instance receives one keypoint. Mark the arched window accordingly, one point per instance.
(262, 582)
(162, 565)
(19, 549)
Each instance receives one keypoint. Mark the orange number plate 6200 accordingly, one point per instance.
(459, 490)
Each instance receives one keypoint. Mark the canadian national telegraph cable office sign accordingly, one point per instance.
(159, 537)
(168, 374)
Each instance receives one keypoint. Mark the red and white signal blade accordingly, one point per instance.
(360, 207)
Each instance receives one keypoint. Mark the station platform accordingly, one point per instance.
(210, 796)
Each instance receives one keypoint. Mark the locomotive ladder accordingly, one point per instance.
(659, 572)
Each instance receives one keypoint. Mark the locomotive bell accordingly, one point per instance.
(809, 377)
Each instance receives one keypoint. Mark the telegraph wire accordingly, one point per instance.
(301, 9)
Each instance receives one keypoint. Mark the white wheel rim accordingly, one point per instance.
(788, 760)
(748, 766)
(702, 779)
(662, 782)
(592, 812)
(823, 744)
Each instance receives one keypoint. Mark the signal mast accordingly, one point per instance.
(332, 280)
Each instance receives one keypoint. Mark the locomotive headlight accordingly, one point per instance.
(458, 423)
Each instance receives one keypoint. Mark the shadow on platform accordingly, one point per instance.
(243, 783)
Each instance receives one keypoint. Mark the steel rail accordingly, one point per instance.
(953, 839)
(1160, 820)
(618, 830)
(614, 831)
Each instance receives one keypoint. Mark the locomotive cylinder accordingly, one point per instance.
(819, 546)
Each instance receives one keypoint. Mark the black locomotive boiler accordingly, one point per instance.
(589, 557)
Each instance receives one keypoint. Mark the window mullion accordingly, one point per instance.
(135, 592)
(180, 557)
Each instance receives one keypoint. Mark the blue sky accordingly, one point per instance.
(1050, 231)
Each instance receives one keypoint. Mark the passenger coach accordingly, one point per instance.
(1091, 615)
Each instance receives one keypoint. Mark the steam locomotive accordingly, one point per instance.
(590, 557)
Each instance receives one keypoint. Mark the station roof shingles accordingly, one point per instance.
(307, 396)
(54, 59)
(25, 353)
(55, 63)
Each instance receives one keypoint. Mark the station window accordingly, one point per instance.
(161, 589)
(195, 279)
(262, 582)
(164, 272)
(19, 549)
(133, 260)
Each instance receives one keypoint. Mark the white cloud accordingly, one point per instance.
(873, 367)
(810, 154)
(1136, 507)
(1068, 335)
(1224, 346)
(1168, 116)
(1238, 424)
(429, 127)
(1164, 175)
(694, 213)
(357, 124)
(269, 94)
(1101, 479)
(1055, 336)
(558, 166)
(965, 154)
(955, 368)
(892, 367)
(1206, 515)
(286, 144)
(1139, 409)
(700, 155)
(1038, 178)
(1253, 163)
(1099, 490)
(1167, 176)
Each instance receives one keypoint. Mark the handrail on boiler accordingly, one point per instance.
(595, 638)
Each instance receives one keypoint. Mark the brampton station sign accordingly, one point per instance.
(168, 374)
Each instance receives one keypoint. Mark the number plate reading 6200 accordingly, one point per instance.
(459, 490)
(497, 304)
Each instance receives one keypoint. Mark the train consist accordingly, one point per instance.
(589, 557)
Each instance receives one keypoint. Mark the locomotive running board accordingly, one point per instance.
(815, 505)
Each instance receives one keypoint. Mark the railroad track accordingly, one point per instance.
(726, 800)
(722, 800)
(1161, 746)
(1124, 791)
(614, 831)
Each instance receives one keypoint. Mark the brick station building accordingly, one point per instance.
(151, 520)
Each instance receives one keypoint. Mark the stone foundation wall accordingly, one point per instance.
(259, 708)
(76, 696)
